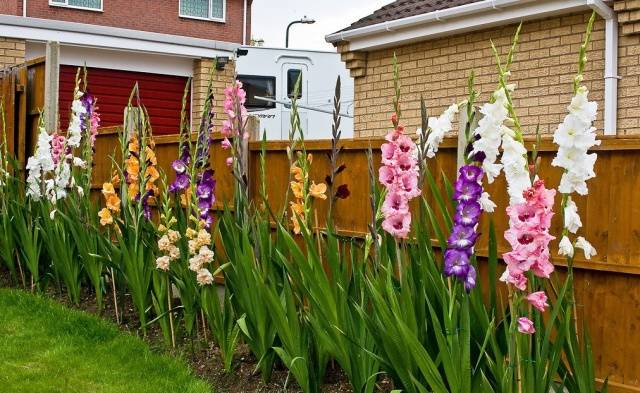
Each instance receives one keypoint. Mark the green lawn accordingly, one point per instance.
(45, 347)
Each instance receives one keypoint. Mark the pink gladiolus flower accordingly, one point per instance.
(525, 325)
(399, 175)
(398, 225)
(225, 144)
(229, 161)
(387, 176)
(518, 280)
(388, 153)
(538, 300)
(529, 237)
(227, 128)
(394, 203)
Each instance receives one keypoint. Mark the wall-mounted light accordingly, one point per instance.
(221, 62)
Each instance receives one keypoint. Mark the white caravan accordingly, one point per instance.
(272, 73)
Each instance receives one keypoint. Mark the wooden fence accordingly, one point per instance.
(608, 285)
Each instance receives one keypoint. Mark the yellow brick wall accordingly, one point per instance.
(221, 79)
(543, 70)
(11, 51)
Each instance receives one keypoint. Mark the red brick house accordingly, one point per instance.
(159, 44)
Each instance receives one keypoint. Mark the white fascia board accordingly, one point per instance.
(480, 19)
(103, 37)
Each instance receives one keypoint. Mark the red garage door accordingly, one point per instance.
(160, 94)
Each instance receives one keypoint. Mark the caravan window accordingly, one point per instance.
(262, 86)
(292, 78)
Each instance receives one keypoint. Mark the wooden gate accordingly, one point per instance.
(22, 94)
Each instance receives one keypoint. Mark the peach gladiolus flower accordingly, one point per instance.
(113, 203)
(297, 172)
(318, 190)
(296, 187)
(107, 189)
(105, 217)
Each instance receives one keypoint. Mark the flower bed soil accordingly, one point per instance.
(203, 357)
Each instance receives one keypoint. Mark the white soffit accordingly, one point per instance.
(116, 59)
(104, 37)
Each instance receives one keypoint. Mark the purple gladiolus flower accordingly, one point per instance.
(456, 263)
(462, 237)
(145, 204)
(185, 154)
(467, 191)
(205, 191)
(470, 279)
(179, 166)
(471, 173)
(204, 205)
(468, 213)
(180, 184)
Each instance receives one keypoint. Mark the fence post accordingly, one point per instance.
(253, 128)
(51, 85)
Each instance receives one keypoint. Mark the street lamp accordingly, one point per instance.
(304, 20)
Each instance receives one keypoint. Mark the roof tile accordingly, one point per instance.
(404, 8)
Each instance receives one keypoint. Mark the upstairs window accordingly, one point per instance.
(93, 5)
(203, 9)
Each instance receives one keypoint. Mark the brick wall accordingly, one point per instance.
(221, 79)
(11, 7)
(149, 15)
(544, 67)
(11, 52)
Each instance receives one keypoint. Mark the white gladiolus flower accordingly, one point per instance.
(565, 247)
(588, 249)
(584, 109)
(195, 263)
(79, 162)
(571, 218)
(515, 168)
(75, 124)
(39, 165)
(490, 130)
(204, 277)
(575, 136)
(486, 203)
(206, 254)
(439, 127)
(163, 263)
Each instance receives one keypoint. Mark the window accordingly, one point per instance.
(93, 5)
(262, 86)
(292, 79)
(203, 9)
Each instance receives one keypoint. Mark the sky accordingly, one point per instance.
(271, 17)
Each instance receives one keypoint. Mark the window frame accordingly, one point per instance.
(208, 19)
(261, 77)
(53, 3)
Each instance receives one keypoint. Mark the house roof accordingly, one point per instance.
(404, 8)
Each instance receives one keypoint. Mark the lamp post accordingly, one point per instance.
(304, 20)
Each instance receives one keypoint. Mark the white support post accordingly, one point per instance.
(51, 85)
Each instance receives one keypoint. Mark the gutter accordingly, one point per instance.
(434, 16)
(610, 64)
(105, 37)
(486, 14)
